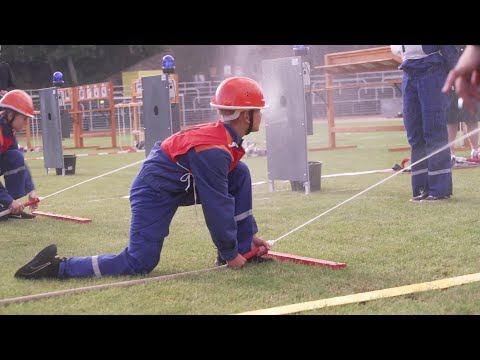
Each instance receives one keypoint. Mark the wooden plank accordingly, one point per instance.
(367, 296)
(305, 260)
(62, 217)
(368, 128)
(96, 134)
(360, 85)
(333, 148)
(362, 56)
(405, 148)
(366, 60)
(358, 67)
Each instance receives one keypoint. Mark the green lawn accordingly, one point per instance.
(385, 240)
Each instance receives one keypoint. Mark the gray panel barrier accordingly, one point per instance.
(156, 115)
(52, 130)
(285, 120)
(65, 123)
(308, 95)
(176, 126)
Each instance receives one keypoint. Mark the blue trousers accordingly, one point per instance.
(18, 180)
(425, 119)
(152, 213)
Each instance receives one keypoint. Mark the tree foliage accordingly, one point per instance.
(33, 65)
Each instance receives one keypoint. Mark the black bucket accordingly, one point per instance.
(69, 163)
(315, 176)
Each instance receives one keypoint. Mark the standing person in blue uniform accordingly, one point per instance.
(425, 69)
(17, 108)
(199, 164)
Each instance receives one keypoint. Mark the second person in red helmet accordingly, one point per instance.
(16, 109)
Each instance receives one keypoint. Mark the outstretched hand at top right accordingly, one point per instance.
(465, 77)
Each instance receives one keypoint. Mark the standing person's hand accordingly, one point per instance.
(465, 76)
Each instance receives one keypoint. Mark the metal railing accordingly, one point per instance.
(195, 98)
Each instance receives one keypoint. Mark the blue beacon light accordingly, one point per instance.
(57, 78)
(300, 50)
(168, 64)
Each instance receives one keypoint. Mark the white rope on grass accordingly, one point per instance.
(271, 242)
(22, 299)
(94, 178)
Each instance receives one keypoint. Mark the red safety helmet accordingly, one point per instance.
(239, 93)
(19, 101)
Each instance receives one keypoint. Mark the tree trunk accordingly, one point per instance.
(51, 65)
(72, 70)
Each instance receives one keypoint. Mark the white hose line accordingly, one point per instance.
(47, 295)
(272, 242)
(94, 178)
(142, 281)
(367, 172)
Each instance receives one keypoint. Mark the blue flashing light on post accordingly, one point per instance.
(57, 79)
(168, 64)
(300, 50)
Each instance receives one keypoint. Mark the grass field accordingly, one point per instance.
(385, 240)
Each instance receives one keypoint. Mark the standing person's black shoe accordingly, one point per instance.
(44, 265)
(219, 261)
(419, 197)
(435, 198)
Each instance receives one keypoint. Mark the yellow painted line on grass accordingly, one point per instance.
(367, 296)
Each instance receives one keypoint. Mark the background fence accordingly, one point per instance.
(195, 98)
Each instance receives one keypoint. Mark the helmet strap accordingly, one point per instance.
(250, 125)
(9, 122)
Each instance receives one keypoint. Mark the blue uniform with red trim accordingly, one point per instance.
(425, 68)
(197, 165)
(18, 180)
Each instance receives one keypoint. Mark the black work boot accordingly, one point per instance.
(44, 265)
(22, 216)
